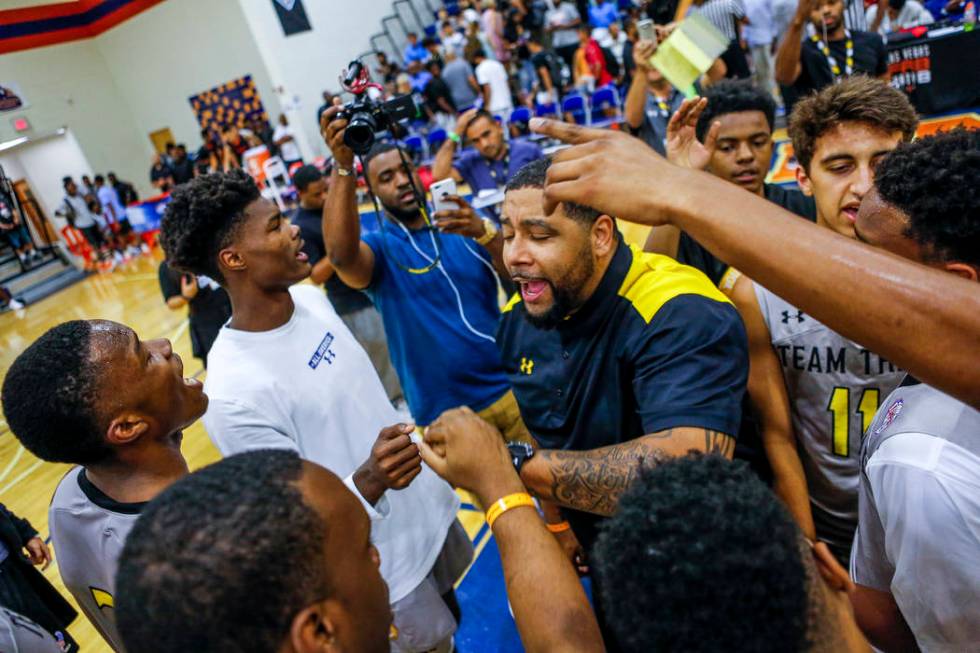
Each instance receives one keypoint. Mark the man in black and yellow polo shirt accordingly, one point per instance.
(617, 357)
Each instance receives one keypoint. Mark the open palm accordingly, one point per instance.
(683, 147)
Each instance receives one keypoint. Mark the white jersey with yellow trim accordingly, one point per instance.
(88, 530)
(835, 387)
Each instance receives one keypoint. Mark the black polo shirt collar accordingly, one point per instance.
(598, 307)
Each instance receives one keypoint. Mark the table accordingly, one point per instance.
(940, 70)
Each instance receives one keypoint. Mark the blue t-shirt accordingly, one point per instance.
(419, 80)
(415, 52)
(479, 172)
(603, 15)
(440, 362)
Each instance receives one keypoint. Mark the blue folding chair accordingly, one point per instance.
(574, 107)
(520, 115)
(436, 138)
(415, 146)
(518, 121)
(547, 110)
(605, 106)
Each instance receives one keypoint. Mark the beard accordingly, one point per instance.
(402, 215)
(568, 295)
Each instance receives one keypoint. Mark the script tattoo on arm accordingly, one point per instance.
(593, 481)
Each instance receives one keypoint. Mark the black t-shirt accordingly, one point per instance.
(127, 194)
(344, 298)
(208, 311)
(160, 171)
(548, 60)
(691, 252)
(435, 89)
(183, 171)
(870, 58)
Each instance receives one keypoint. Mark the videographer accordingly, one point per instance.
(435, 286)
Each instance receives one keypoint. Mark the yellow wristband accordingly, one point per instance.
(560, 527)
(503, 504)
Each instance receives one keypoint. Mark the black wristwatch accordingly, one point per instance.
(520, 453)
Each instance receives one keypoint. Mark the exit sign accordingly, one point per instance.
(21, 124)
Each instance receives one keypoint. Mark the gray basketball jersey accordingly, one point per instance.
(88, 530)
(919, 531)
(18, 634)
(834, 387)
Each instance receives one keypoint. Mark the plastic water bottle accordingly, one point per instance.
(969, 16)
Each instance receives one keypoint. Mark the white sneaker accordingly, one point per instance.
(15, 305)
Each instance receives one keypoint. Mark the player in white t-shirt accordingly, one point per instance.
(914, 559)
(285, 372)
(494, 82)
(285, 139)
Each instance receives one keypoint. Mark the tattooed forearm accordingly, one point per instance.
(593, 481)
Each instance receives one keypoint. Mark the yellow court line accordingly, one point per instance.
(476, 554)
(20, 477)
(10, 465)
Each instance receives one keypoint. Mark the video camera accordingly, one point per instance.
(366, 116)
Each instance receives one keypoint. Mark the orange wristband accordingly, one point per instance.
(503, 504)
(560, 527)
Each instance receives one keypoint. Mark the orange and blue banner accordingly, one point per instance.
(63, 22)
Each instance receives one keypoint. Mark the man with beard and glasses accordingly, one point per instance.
(616, 356)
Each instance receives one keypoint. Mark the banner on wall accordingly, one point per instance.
(11, 97)
(236, 103)
(292, 16)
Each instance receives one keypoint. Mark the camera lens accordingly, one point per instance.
(359, 135)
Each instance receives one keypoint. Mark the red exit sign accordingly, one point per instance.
(21, 124)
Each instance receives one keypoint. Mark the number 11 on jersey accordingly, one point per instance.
(840, 411)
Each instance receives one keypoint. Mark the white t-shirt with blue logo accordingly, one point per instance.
(308, 386)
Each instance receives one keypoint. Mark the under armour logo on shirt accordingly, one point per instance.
(787, 317)
(323, 352)
(527, 366)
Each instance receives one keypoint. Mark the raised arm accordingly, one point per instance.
(767, 392)
(787, 66)
(442, 167)
(351, 257)
(636, 98)
(470, 453)
(919, 318)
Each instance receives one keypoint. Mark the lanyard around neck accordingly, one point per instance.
(492, 167)
(831, 61)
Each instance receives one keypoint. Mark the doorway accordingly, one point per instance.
(25, 196)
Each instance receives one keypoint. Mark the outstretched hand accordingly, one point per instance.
(683, 147)
(611, 172)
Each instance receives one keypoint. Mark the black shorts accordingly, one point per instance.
(93, 235)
